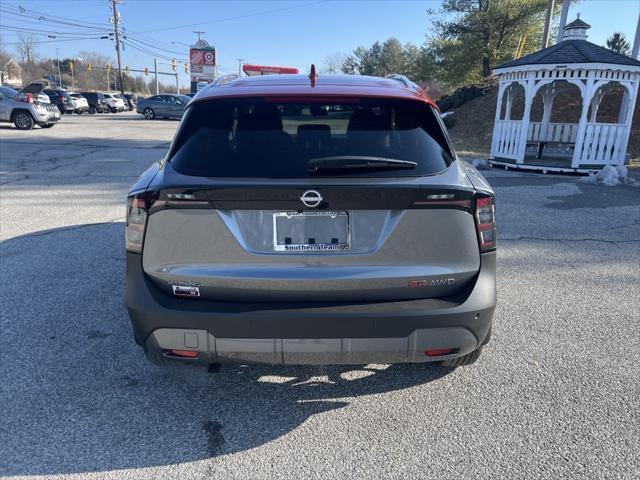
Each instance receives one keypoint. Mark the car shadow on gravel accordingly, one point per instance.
(78, 395)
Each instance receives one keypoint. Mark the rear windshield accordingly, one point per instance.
(271, 139)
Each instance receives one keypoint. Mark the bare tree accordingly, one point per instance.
(333, 62)
(26, 49)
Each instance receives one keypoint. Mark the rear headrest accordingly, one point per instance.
(315, 129)
(365, 119)
(264, 116)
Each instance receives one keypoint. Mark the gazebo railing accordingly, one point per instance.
(507, 138)
(552, 132)
(603, 143)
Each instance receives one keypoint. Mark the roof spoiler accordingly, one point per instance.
(404, 81)
(221, 81)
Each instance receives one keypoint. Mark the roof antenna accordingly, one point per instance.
(313, 75)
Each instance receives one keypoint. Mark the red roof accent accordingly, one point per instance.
(325, 85)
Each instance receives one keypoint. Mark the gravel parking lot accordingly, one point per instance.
(555, 394)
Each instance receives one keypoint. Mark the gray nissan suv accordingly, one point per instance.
(311, 219)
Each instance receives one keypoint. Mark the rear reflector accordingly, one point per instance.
(438, 352)
(183, 353)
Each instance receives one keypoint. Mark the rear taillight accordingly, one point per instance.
(136, 223)
(486, 223)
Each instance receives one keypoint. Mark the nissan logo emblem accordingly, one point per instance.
(311, 198)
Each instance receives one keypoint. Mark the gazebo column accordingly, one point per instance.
(496, 124)
(548, 96)
(529, 92)
(628, 119)
(587, 95)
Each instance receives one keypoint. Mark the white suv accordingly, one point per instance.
(115, 104)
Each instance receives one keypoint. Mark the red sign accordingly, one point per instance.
(196, 57)
(209, 58)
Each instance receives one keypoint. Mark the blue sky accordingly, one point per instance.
(290, 33)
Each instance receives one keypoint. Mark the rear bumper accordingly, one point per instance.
(308, 333)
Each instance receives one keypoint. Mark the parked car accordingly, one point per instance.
(340, 235)
(130, 100)
(115, 103)
(79, 103)
(97, 102)
(25, 112)
(61, 99)
(163, 106)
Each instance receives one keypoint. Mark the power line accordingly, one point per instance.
(37, 42)
(34, 31)
(45, 17)
(237, 17)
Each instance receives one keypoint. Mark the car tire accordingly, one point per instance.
(47, 125)
(80, 112)
(92, 110)
(23, 121)
(468, 359)
(149, 114)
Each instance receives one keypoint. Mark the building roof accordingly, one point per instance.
(324, 85)
(572, 51)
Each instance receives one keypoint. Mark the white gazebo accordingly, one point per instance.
(572, 64)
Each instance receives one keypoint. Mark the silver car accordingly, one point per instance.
(311, 220)
(25, 111)
(163, 106)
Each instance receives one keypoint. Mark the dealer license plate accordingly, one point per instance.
(311, 231)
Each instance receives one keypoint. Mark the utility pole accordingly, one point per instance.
(636, 41)
(547, 23)
(155, 71)
(59, 74)
(177, 86)
(198, 33)
(240, 60)
(563, 19)
(116, 25)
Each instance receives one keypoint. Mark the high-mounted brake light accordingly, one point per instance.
(486, 223)
(137, 214)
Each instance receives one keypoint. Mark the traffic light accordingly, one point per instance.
(71, 65)
(108, 66)
(186, 68)
(173, 64)
(126, 69)
(146, 71)
(89, 67)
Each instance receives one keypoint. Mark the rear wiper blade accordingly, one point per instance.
(357, 161)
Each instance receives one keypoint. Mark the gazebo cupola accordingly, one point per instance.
(573, 67)
(576, 30)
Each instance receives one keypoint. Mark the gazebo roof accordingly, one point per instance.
(572, 51)
(577, 23)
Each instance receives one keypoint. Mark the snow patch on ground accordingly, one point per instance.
(610, 176)
(480, 163)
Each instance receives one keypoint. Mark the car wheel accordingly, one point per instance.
(23, 121)
(114, 110)
(149, 114)
(80, 112)
(468, 359)
(47, 125)
(92, 110)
